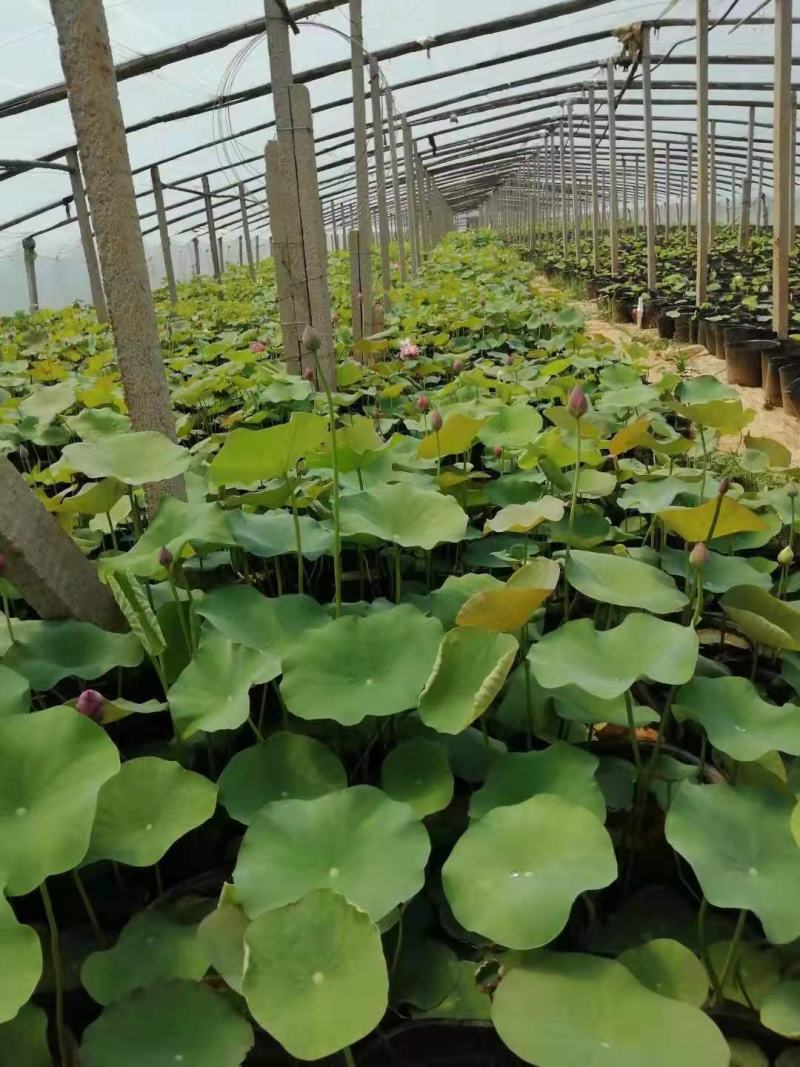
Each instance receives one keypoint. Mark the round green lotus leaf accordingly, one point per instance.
(426, 972)
(470, 668)
(738, 841)
(514, 875)
(738, 722)
(790, 1057)
(285, 765)
(164, 1025)
(669, 968)
(133, 458)
(540, 1012)
(354, 667)
(52, 765)
(747, 1054)
(780, 1010)
(561, 769)
(213, 690)
(274, 534)
(721, 573)
(404, 515)
(455, 591)
(269, 624)
(152, 948)
(15, 693)
(316, 977)
(46, 652)
(357, 842)
(23, 1040)
(514, 426)
(755, 970)
(624, 581)
(221, 935)
(250, 456)
(146, 808)
(21, 953)
(418, 773)
(763, 618)
(607, 662)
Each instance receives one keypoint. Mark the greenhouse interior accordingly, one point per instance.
(399, 495)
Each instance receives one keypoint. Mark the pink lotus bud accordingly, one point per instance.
(577, 403)
(91, 703)
(458, 366)
(423, 404)
(258, 346)
(311, 339)
(308, 374)
(497, 451)
(699, 556)
(508, 359)
(165, 558)
(408, 350)
(724, 486)
(436, 421)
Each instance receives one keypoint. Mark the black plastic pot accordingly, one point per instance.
(683, 328)
(666, 325)
(621, 309)
(743, 361)
(717, 336)
(771, 363)
(789, 375)
(734, 335)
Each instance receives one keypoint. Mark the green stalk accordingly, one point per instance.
(348, 1057)
(705, 465)
(58, 976)
(89, 908)
(7, 613)
(705, 955)
(337, 538)
(298, 545)
(637, 755)
(398, 575)
(731, 954)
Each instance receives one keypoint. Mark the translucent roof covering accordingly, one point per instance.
(29, 54)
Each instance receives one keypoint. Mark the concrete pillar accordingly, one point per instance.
(87, 238)
(163, 232)
(29, 253)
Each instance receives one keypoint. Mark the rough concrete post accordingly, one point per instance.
(277, 190)
(701, 74)
(712, 184)
(408, 159)
(196, 248)
(258, 248)
(87, 238)
(380, 180)
(163, 232)
(29, 253)
(398, 211)
(422, 205)
(212, 229)
(747, 187)
(220, 255)
(782, 179)
(44, 563)
(356, 295)
(246, 231)
(94, 104)
(357, 57)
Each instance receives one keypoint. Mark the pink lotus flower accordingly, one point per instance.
(577, 403)
(165, 558)
(91, 703)
(408, 350)
(258, 346)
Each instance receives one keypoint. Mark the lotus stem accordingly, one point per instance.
(337, 539)
(398, 575)
(348, 1057)
(731, 954)
(7, 613)
(91, 914)
(298, 545)
(705, 955)
(58, 975)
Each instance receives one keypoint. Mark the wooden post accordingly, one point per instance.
(408, 155)
(747, 185)
(258, 248)
(782, 114)
(689, 170)
(701, 75)
(87, 238)
(649, 163)
(562, 165)
(277, 173)
(221, 254)
(163, 232)
(668, 188)
(361, 165)
(612, 169)
(760, 221)
(29, 255)
(97, 118)
(624, 218)
(246, 231)
(398, 211)
(196, 247)
(574, 182)
(636, 195)
(422, 204)
(595, 205)
(356, 295)
(793, 176)
(712, 186)
(212, 229)
(380, 180)
(733, 193)
(44, 563)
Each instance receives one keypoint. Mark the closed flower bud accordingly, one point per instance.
(436, 421)
(619, 550)
(699, 556)
(792, 490)
(785, 557)
(724, 486)
(458, 366)
(423, 404)
(165, 558)
(91, 703)
(311, 339)
(258, 346)
(577, 403)
(308, 374)
(498, 451)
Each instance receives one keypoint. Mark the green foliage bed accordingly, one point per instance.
(466, 692)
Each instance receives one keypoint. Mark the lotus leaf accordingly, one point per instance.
(251, 456)
(456, 436)
(739, 844)
(316, 977)
(471, 667)
(175, 1022)
(52, 766)
(356, 842)
(15, 693)
(23, 1040)
(269, 624)
(624, 581)
(46, 652)
(21, 954)
(133, 458)
(418, 773)
(146, 807)
(285, 765)
(354, 667)
(695, 524)
(539, 1012)
(403, 515)
(522, 518)
(780, 1010)
(515, 874)
(274, 534)
(668, 968)
(762, 617)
